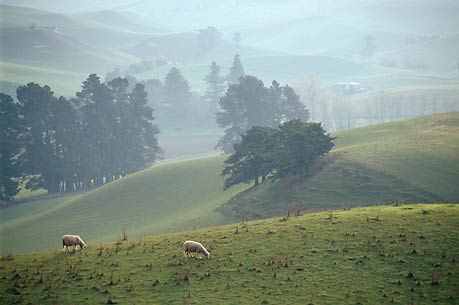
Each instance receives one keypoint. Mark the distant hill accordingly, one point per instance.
(48, 47)
(413, 161)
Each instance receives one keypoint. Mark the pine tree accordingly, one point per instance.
(253, 157)
(177, 93)
(301, 145)
(236, 71)
(243, 106)
(40, 156)
(10, 147)
(215, 86)
(97, 151)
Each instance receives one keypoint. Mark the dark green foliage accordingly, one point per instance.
(253, 157)
(301, 145)
(41, 150)
(105, 132)
(290, 150)
(10, 147)
(249, 103)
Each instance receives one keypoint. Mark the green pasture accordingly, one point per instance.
(165, 198)
(414, 161)
(404, 254)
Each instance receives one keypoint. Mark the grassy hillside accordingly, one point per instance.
(415, 161)
(51, 48)
(380, 255)
(165, 198)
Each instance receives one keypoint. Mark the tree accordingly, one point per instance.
(10, 147)
(215, 86)
(243, 106)
(208, 38)
(154, 89)
(65, 126)
(287, 104)
(236, 71)
(369, 46)
(113, 74)
(289, 150)
(145, 139)
(249, 103)
(237, 38)
(40, 147)
(253, 157)
(98, 118)
(176, 93)
(301, 145)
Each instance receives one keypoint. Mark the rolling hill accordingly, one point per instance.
(165, 198)
(379, 255)
(412, 161)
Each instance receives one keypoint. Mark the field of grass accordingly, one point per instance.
(404, 254)
(167, 197)
(415, 160)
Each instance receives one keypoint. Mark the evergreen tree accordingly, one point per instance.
(215, 86)
(253, 157)
(154, 89)
(65, 126)
(177, 93)
(301, 145)
(40, 156)
(236, 71)
(290, 150)
(97, 109)
(208, 38)
(10, 147)
(145, 132)
(291, 107)
(243, 106)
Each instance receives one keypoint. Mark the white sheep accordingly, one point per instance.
(193, 246)
(72, 240)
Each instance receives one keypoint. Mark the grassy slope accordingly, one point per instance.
(170, 197)
(378, 255)
(415, 160)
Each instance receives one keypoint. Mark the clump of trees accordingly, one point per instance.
(249, 103)
(66, 144)
(291, 149)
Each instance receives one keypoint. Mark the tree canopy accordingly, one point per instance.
(105, 132)
(290, 149)
(249, 103)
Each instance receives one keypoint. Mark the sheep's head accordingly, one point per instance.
(82, 244)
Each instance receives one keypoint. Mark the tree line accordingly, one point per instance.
(176, 105)
(66, 144)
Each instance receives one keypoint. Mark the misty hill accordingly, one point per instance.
(377, 255)
(413, 161)
(47, 47)
(185, 48)
(440, 54)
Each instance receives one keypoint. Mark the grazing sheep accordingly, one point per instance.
(193, 246)
(72, 240)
